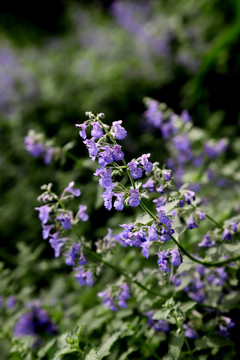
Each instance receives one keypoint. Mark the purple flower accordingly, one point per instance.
(135, 170)
(214, 150)
(234, 226)
(84, 277)
(107, 198)
(118, 154)
(106, 156)
(56, 243)
(72, 255)
(145, 248)
(167, 174)
(65, 221)
(46, 231)
(134, 197)
(225, 323)
(96, 130)
(48, 155)
(149, 185)
(105, 177)
(147, 165)
(206, 242)
(44, 212)
(119, 132)
(118, 203)
(124, 295)
(188, 196)
(152, 233)
(71, 190)
(32, 146)
(162, 217)
(163, 261)
(157, 325)
(82, 132)
(201, 215)
(11, 301)
(152, 114)
(82, 260)
(185, 116)
(107, 300)
(190, 333)
(191, 223)
(175, 257)
(82, 214)
(226, 234)
(176, 280)
(92, 148)
(180, 203)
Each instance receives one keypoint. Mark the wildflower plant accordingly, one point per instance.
(164, 284)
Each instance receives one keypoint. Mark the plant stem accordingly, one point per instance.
(185, 339)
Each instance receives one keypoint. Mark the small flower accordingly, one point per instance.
(56, 243)
(226, 235)
(96, 130)
(118, 203)
(72, 255)
(147, 165)
(82, 132)
(119, 132)
(124, 295)
(162, 217)
(166, 175)
(175, 257)
(107, 198)
(201, 215)
(234, 226)
(44, 212)
(11, 302)
(107, 300)
(149, 185)
(163, 261)
(92, 148)
(71, 190)
(65, 221)
(46, 231)
(206, 242)
(81, 214)
(176, 280)
(134, 197)
(118, 154)
(191, 223)
(135, 170)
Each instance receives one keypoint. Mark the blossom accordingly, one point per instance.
(72, 255)
(84, 277)
(119, 132)
(118, 203)
(56, 243)
(92, 148)
(96, 130)
(163, 261)
(191, 223)
(44, 212)
(82, 213)
(135, 170)
(175, 257)
(206, 242)
(82, 132)
(226, 235)
(147, 165)
(107, 300)
(166, 175)
(124, 295)
(134, 197)
(118, 154)
(162, 217)
(71, 190)
(46, 231)
(107, 198)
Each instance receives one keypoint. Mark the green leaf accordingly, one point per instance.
(171, 205)
(144, 219)
(189, 305)
(104, 350)
(90, 354)
(175, 345)
(44, 350)
(230, 301)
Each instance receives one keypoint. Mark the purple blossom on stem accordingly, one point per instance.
(149, 185)
(44, 212)
(11, 301)
(118, 154)
(234, 226)
(163, 261)
(191, 223)
(134, 197)
(96, 130)
(226, 235)
(107, 198)
(107, 300)
(153, 115)
(166, 175)
(33, 147)
(135, 170)
(82, 132)
(46, 231)
(175, 257)
(147, 165)
(56, 243)
(72, 255)
(124, 295)
(118, 203)
(92, 148)
(206, 242)
(81, 214)
(84, 277)
(119, 132)
(176, 280)
(71, 190)
(105, 180)
(162, 217)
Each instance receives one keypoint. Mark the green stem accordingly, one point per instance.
(185, 339)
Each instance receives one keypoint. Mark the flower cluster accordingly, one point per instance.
(118, 295)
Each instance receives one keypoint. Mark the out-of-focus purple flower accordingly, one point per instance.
(201, 215)
(152, 233)
(124, 295)
(134, 199)
(107, 300)
(46, 231)
(84, 277)
(11, 301)
(185, 116)
(176, 280)
(157, 325)
(163, 261)
(162, 217)
(166, 175)
(34, 147)
(145, 248)
(56, 243)
(82, 260)
(65, 221)
(71, 190)
(234, 226)
(206, 242)
(189, 332)
(81, 214)
(44, 212)
(191, 223)
(119, 132)
(226, 235)
(48, 155)
(214, 150)
(35, 322)
(224, 324)
(153, 115)
(149, 185)
(72, 255)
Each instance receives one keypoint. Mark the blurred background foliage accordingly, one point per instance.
(105, 56)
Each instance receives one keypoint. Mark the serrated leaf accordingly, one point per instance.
(170, 205)
(187, 306)
(175, 345)
(143, 219)
(90, 354)
(104, 350)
